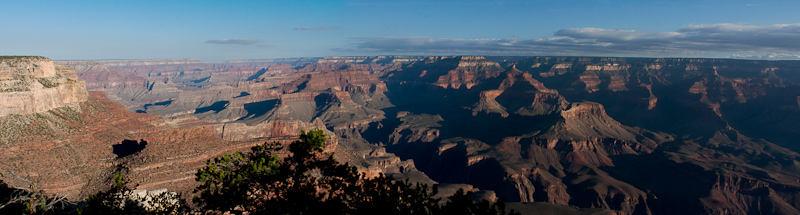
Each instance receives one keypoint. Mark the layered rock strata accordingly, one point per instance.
(36, 84)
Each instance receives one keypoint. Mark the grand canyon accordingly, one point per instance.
(550, 135)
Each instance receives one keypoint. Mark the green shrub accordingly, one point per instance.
(305, 183)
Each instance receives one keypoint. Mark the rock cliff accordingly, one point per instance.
(69, 150)
(632, 135)
(36, 84)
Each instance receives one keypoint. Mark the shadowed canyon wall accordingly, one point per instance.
(628, 135)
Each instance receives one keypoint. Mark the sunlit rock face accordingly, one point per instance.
(37, 84)
(633, 135)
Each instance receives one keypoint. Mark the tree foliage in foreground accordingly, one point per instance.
(30, 201)
(306, 183)
(259, 182)
(119, 199)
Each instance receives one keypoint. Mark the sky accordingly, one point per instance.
(225, 30)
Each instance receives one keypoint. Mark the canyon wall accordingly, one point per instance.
(633, 135)
(36, 84)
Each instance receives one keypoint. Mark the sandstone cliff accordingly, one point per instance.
(36, 84)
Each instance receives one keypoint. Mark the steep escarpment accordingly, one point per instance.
(704, 101)
(516, 135)
(521, 139)
(632, 135)
(373, 64)
(469, 72)
(340, 99)
(69, 150)
(31, 85)
(728, 174)
(675, 95)
(74, 149)
(519, 93)
(552, 165)
(249, 100)
(142, 84)
(343, 101)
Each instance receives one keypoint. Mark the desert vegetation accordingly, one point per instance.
(259, 182)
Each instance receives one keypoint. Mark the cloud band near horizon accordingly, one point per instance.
(781, 41)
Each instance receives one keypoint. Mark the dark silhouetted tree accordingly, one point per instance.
(462, 203)
(306, 182)
(120, 199)
(30, 201)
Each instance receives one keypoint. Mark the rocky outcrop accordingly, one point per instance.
(519, 93)
(375, 64)
(629, 135)
(68, 150)
(347, 80)
(416, 128)
(345, 101)
(543, 104)
(716, 88)
(542, 167)
(469, 71)
(488, 104)
(583, 154)
(31, 85)
(286, 129)
(142, 83)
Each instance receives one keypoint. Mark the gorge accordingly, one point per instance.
(620, 135)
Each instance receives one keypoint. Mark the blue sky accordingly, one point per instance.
(222, 30)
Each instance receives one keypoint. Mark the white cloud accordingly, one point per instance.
(770, 56)
(779, 41)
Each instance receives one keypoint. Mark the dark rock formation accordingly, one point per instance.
(621, 135)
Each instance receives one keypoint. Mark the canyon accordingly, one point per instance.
(617, 135)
